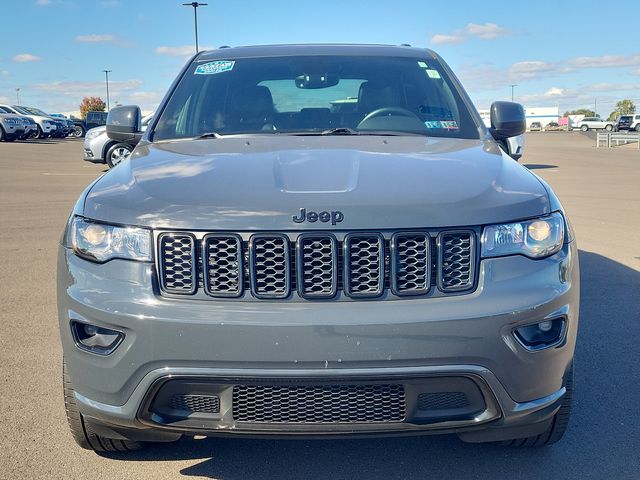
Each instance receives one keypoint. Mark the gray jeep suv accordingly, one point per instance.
(318, 240)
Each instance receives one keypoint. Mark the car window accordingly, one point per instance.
(308, 95)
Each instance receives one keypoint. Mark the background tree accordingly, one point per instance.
(91, 104)
(623, 107)
(581, 111)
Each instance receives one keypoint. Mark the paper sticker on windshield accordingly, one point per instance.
(423, 64)
(432, 124)
(432, 73)
(212, 68)
(449, 124)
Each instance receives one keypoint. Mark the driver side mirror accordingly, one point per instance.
(124, 124)
(508, 124)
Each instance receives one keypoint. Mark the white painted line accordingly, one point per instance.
(68, 174)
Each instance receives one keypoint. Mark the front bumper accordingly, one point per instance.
(289, 342)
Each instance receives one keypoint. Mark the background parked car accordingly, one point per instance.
(552, 127)
(595, 123)
(535, 127)
(624, 123)
(45, 125)
(92, 120)
(99, 148)
(30, 127)
(11, 127)
(635, 123)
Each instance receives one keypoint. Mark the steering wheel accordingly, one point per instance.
(388, 111)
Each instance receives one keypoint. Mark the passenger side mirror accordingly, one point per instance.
(508, 124)
(124, 124)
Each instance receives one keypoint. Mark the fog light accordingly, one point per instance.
(539, 336)
(94, 339)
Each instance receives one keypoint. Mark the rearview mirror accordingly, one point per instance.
(123, 124)
(316, 80)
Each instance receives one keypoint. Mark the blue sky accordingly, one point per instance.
(558, 53)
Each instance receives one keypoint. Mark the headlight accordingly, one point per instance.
(102, 242)
(537, 238)
(91, 134)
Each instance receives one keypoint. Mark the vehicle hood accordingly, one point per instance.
(261, 182)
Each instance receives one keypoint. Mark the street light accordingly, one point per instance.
(195, 6)
(18, 95)
(106, 74)
(512, 87)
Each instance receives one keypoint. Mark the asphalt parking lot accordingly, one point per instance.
(600, 188)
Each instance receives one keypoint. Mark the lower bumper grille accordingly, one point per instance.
(319, 403)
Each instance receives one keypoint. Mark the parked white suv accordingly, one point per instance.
(635, 123)
(594, 123)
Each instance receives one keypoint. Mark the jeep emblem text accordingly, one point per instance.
(324, 217)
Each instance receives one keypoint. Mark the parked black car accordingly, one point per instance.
(93, 119)
(624, 123)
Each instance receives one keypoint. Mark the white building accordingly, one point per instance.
(544, 115)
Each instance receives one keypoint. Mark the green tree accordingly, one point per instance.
(91, 104)
(581, 111)
(623, 107)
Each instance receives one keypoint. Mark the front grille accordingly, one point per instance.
(317, 265)
(319, 403)
(196, 403)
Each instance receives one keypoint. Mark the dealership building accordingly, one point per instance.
(544, 115)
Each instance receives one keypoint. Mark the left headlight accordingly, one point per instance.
(536, 238)
(91, 134)
(102, 242)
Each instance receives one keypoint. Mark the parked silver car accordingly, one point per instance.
(264, 265)
(595, 123)
(99, 148)
(45, 125)
(12, 127)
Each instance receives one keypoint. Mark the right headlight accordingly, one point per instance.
(91, 134)
(535, 238)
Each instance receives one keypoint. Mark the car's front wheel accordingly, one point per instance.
(608, 128)
(117, 153)
(584, 128)
(81, 430)
(78, 131)
(558, 425)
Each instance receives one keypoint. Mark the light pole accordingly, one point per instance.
(512, 87)
(18, 95)
(106, 75)
(195, 6)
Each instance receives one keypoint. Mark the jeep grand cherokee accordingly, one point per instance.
(318, 240)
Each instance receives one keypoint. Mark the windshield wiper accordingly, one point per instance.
(210, 135)
(340, 131)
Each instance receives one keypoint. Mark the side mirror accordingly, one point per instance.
(124, 124)
(508, 123)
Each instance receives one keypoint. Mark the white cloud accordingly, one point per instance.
(96, 38)
(110, 3)
(79, 89)
(612, 87)
(182, 51)
(4, 99)
(5, 73)
(446, 39)
(485, 31)
(606, 61)
(26, 57)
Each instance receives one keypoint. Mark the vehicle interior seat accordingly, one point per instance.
(254, 110)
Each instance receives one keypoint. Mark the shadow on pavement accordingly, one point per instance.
(603, 437)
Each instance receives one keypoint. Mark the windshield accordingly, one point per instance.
(314, 95)
(35, 111)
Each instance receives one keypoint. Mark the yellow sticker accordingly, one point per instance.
(433, 73)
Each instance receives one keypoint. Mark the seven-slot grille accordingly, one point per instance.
(318, 403)
(317, 265)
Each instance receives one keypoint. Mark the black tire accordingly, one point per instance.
(608, 128)
(78, 131)
(584, 128)
(638, 128)
(116, 154)
(559, 424)
(2, 135)
(81, 431)
(39, 132)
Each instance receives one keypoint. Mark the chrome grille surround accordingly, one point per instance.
(319, 403)
(177, 263)
(317, 265)
(223, 265)
(364, 272)
(456, 260)
(270, 265)
(410, 263)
